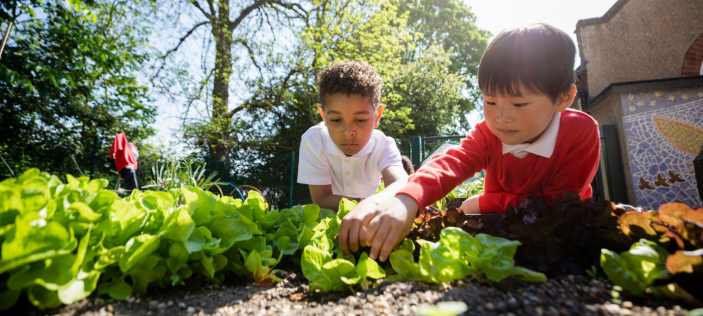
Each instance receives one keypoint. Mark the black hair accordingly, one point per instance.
(540, 57)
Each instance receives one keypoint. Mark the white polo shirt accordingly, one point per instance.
(358, 176)
(543, 146)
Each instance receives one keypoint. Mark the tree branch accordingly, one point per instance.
(178, 46)
(234, 24)
(212, 6)
(251, 54)
(197, 5)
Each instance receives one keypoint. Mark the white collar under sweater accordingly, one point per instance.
(543, 146)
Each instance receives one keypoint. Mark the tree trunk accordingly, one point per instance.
(221, 121)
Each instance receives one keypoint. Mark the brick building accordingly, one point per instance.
(641, 78)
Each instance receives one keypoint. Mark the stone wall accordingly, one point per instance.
(642, 40)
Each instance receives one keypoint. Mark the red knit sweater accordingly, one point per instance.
(509, 179)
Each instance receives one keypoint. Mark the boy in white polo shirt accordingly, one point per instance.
(345, 156)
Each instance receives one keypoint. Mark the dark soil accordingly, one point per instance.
(561, 296)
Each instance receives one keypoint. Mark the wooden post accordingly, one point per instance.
(4, 39)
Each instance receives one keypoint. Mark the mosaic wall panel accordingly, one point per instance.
(664, 133)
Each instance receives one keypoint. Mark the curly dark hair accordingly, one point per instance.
(350, 77)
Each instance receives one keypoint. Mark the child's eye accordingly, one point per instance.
(361, 121)
(335, 120)
(520, 104)
(489, 102)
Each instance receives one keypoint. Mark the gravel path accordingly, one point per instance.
(562, 296)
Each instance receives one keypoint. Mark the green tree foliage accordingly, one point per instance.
(68, 77)
(425, 98)
(451, 24)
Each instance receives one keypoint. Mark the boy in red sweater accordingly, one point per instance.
(529, 143)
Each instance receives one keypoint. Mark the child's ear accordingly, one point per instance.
(379, 113)
(566, 99)
(322, 113)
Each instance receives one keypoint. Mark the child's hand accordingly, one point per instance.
(390, 224)
(352, 232)
(470, 205)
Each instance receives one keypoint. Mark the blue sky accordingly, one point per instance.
(491, 15)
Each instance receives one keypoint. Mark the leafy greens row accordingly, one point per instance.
(60, 242)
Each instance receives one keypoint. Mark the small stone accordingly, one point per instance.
(162, 305)
(613, 309)
(539, 310)
(551, 312)
(625, 312)
(298, 307)
(510, 314)
(169, 303)
(627, 304)
(202, 304)
(489, 306)
(351, 300)
(501, 306)
(190, 310)
(564, 312)
(571, 277)
(512, 302)
(413, 301)
(370, 298)
(341, 301)
(181, 305)
(154, 305)
(108, 307)
(382, 304)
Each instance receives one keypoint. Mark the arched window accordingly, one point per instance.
(693, 62)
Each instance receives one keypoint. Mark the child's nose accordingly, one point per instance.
(504, 115)
(349, 130)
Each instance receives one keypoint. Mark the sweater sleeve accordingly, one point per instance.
(445, 172)
(574, 174)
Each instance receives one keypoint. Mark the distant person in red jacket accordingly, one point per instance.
(530, 142)
(125, 155)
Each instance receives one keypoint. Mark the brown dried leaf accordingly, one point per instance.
(637, 225)
(685, 261)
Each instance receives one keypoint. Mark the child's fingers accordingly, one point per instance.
(391, 242)
(343, 237)
(362, 236)
(372, 229)
(354, 234)
(379, 239)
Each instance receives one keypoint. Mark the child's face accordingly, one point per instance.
(517, 120)
(350, 120)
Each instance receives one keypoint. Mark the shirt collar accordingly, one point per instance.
(544, 145)
(332, 149)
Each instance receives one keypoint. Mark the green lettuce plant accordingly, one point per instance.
(457, 255)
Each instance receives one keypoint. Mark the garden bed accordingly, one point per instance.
(568, 295)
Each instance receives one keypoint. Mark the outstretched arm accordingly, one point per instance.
(322, 196)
